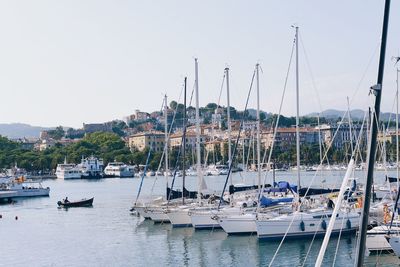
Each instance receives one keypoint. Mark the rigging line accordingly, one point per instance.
(237, 140)
(144, 173)
(352, 156)
(167, 141)
(326, 153)
(339, 201)
(162, 156)
(338, 242)
(390, 115)
(220, 91)
(365, 71)
(312, 242)
(359, 150)
(191, 96)
(283, 239)
(175, 171)
(311, 74)
(277, 121)
(219, 100)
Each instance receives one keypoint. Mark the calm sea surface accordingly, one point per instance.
(108, 235)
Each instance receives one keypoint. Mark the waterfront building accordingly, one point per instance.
(286, 137)
(342, 131)
(176, 140)
(143, 140)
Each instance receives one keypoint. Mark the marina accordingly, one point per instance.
(223, 159)
(126, 237)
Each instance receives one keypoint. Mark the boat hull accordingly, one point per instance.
(239, 224)
(158, 215)
(34, 192)
(81, 203)
(142, 211)
(204, 220)
(179, 218)
(277, 229)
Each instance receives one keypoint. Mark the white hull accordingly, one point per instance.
(179, 217)
(69, 177)
(158, 215)
(204, 220)
(142, 211)
(239, 224)
(277, 228)
(34, 192)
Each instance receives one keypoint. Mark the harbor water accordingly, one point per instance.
(108, 235)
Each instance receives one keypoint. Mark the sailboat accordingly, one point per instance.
(180, 216)
(310, 217)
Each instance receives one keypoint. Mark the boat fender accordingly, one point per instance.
(254, 203)
(244, 205)
(1, 216)
(323, 224)
(16, 218)
(302, 226)
(348, 224)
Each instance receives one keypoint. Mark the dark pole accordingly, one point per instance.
(377, 91)
(184, 145)
(273, 176)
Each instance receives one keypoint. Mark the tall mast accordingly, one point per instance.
(184, 145)
(229, 121)
(166, 136)
(350, 126)
(319, 140)
(198, 154)
(297, 110)
(258, 126)
(377, 92)
(397, 126)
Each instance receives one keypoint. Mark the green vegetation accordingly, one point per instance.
(57, 133)
(108, 146)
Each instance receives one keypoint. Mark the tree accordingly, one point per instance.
(262, 116)
(173, 104)
(57, 133)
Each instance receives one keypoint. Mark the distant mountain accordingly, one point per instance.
(20, 130)
(356, 114)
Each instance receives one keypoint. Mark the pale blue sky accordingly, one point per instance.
(68, 62)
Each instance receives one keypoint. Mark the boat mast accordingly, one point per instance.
(166, 137)
(184, 144)
(397, 126)
(258, 126)
(350, 126)
(228, 111)
(319, 140)
(198, 154)
(377, 92)
(297, 110)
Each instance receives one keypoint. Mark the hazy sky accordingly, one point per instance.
(69, 62)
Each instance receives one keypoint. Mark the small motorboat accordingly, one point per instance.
(80, 203)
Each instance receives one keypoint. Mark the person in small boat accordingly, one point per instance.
(66, 200)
